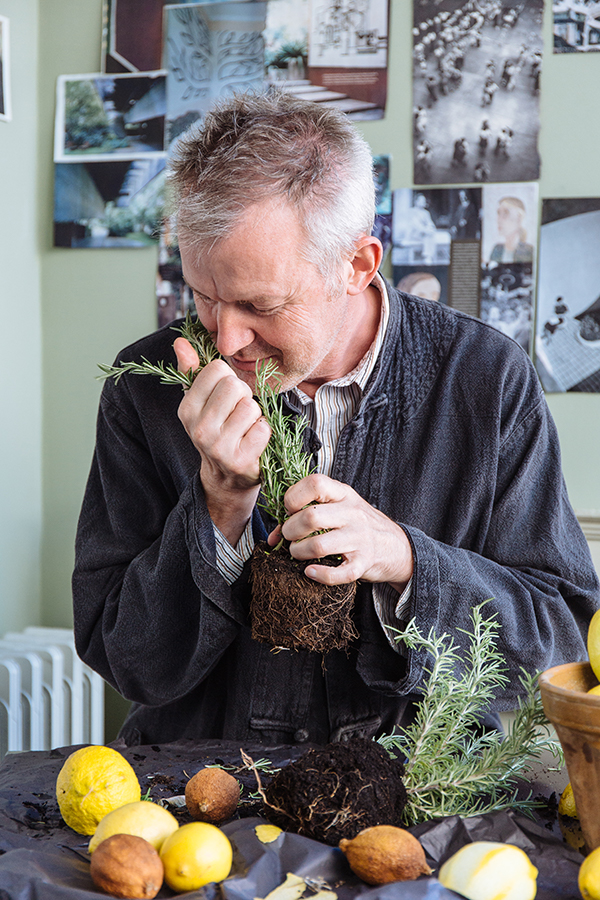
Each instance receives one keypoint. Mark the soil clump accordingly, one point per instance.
(289, 610)
(334, 793)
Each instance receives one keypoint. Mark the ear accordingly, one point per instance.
(364, 264)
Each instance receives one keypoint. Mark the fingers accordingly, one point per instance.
(224, 422)
(187, 358)
(329, 519)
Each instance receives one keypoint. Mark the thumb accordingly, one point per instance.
(187, 358)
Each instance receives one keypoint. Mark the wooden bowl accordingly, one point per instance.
(575, 715)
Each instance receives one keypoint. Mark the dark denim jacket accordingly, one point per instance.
(453, 440)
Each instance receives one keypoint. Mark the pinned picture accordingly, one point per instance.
(436, 245)
(5, 95)
(476, 84)
(510, 225)
(347, 55)
(576, 26)
(100, 117)
(210, 50)
(568, 302)
(109, 204)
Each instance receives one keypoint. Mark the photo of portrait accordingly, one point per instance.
(5, 98)
(509, 223)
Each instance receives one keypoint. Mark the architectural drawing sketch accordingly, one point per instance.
(349, 34)
(211, 50)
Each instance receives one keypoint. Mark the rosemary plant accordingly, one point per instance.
(450, 768)
(284, 461)
(200, 339)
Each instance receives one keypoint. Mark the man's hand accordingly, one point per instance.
(373, 547)
(228, 429)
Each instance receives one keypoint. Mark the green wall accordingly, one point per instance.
(20, 333)
(63, 311)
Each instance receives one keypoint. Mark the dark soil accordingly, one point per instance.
(334, 793)
(289, 610)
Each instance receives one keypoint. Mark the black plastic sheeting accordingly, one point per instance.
(43, 859)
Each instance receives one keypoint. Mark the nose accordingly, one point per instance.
(233, 330)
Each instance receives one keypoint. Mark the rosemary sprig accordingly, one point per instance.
(450, 768)
(284, 461)
(200, 339)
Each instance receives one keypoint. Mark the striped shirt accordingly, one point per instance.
(334, 404)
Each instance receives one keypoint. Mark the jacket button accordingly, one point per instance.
(301, 735)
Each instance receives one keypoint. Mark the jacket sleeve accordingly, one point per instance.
(533, 565)
(152, 613)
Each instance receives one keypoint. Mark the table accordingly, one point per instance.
(43, 858)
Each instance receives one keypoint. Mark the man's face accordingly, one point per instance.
(262, 300)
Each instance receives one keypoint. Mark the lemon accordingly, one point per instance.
(195, 855)
(150, 821)
(593, 643)
(566, 804)
(267, 833)
(589, 876)
(595, 689)
(93, 781)
(486, 870)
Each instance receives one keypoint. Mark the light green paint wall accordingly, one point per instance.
(92, 303)
(20, 333)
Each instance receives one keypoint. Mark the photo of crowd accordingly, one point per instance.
(476, 84)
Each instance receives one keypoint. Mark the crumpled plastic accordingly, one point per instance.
(43, 859)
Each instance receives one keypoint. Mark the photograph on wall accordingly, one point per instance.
(576, 26)
(382, 227)
(508, 253)
(211, 50)
(476, 85)
(174, 298)
(286, 41)
(568, 301)
(109, 116)
(109, 204)
(5, 96)
(472, 249)
(436, 234)
(347, 55)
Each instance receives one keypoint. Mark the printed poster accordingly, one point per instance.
(568, 302)
(471, 248)
(476, 87)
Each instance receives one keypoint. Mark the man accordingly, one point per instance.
(438, 477)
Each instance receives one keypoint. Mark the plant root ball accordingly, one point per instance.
(288, 609)
(127, 866)
(336, 792)
(385, 853)
(212, 795)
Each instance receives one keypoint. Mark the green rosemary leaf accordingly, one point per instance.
(451, 768)
(283, 462)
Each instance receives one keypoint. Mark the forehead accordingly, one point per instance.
(263, 255)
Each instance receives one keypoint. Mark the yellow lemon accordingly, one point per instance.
(589, 876)
(566, 804)
(593, 643)
(93, 781)
(595, 690)
(486, 870)
(147, 820)
(195, 855)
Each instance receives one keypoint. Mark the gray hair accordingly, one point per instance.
(255, 147)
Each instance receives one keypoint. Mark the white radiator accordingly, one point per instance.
(48, 696)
